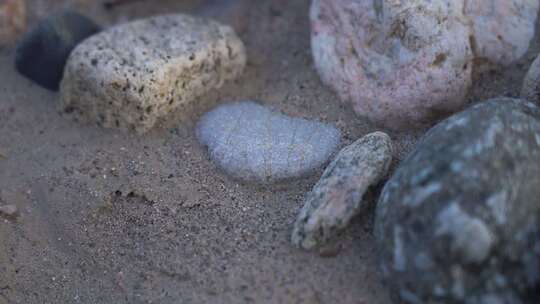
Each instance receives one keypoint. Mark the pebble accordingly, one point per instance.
(459, 221)
(531, 84)
(501, 29)
(402, 64)
(132, 75)
(9, 210)
(408, 64)
(12, 20)
(253, 143)
(42, 52)
(338, 196)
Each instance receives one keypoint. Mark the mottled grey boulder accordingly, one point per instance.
(253, 143)
(42, 52)
(337, 197)
(134, 74)
(531, 84)
(459, 222)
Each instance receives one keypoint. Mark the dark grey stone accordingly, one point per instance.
(459, 222)
(42, 53)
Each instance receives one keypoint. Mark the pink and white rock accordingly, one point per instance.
(405, 64)
(501, 29)
(400, 63)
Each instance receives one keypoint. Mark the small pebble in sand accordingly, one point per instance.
(12, 20)
(254, 143)
(338, 196)
(132, 75)
(531, 84)
(459, 221)
(9, 210)
(42, 52)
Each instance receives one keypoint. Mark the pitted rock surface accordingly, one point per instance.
(131, 75)
(254, 143)
(338, 196)
(459, 222)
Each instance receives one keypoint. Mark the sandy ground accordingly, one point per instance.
(110, 217)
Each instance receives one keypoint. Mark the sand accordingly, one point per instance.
(112, 217)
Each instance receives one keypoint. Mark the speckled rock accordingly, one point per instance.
(253, 143)
(338, 196)
(12, 20)
(459, 222)
(131, 75)
(501, 29)
(402, 64)
(9, 210)
(42, 52)
(531, 84)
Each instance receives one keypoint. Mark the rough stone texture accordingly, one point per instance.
(9, 210)
(402, 64)
(531, 84)
(501, 29)
(459, 222)
(12, 20)
(131, 75)
(253, 143)
(338, 196)
(42, 53)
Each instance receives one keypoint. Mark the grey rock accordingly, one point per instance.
(9, 210)
(531, 84)
(338, 196)
(134, 74)
(42, 52)
(459, 221)
(253, 143)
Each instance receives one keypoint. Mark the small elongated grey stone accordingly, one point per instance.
(337, 197)
(531, 84)
(253, 143)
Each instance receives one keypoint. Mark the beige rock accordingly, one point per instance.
(132, 75)
(12, 20)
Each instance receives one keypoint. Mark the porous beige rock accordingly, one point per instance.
(12, 20)
(131, 75)
(339, 195)
(402, 64)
